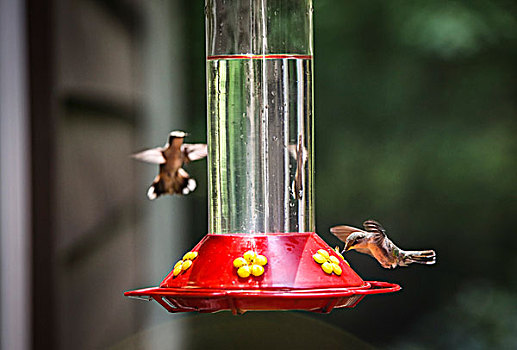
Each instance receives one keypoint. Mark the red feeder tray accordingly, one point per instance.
(291, 280)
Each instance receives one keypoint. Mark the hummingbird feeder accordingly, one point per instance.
(262, 252)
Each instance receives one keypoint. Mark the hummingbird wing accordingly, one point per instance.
(153, 155)
(194, 151)
(342, 232)
(375, 227)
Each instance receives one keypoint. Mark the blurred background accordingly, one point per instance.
(416, 124)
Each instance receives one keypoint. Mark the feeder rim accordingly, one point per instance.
(370, 287)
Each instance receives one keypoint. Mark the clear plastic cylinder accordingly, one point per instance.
(260, 115)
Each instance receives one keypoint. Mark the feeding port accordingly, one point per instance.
(262, 252)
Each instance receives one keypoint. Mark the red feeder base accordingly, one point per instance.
(292, 279)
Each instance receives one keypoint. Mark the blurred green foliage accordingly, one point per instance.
(416, 126)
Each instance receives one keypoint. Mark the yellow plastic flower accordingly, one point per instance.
(184, 264)
(250, 263)
(329, 263)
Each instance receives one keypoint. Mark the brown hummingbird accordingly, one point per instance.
(374, 241)
(172, 178)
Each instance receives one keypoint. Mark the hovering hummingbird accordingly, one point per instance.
(373, 241)
(172, 178)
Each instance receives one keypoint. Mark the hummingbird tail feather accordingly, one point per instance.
(151, 193)
(156, 189)
(190, 185)
(427, 257)
(186, 183)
